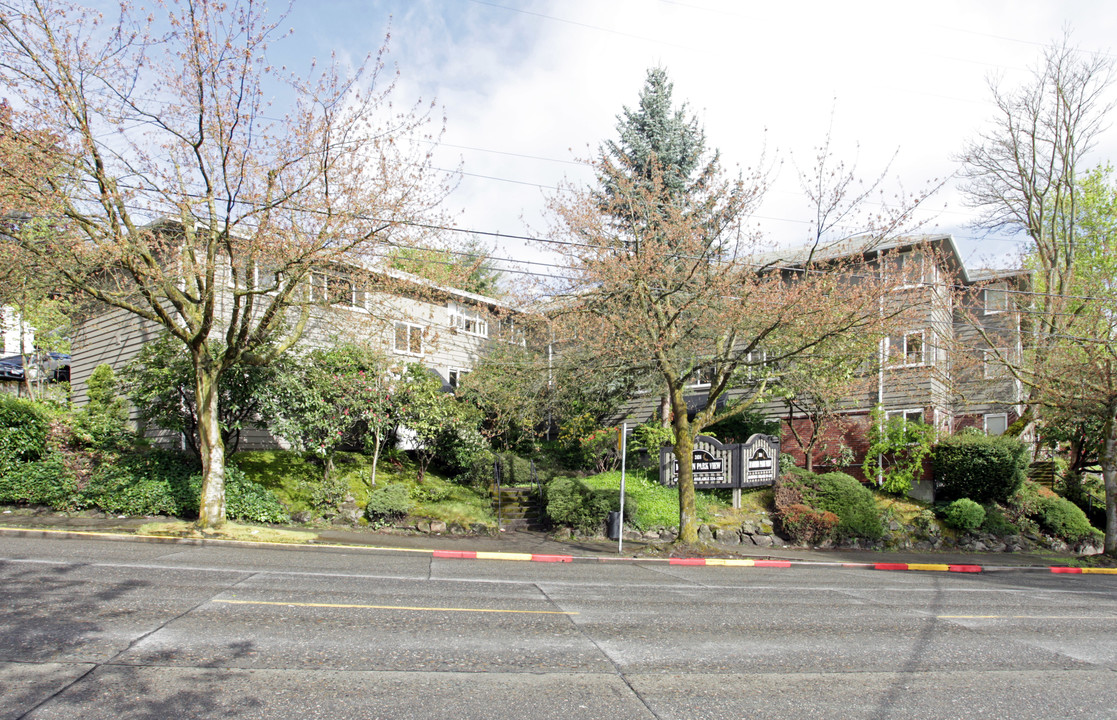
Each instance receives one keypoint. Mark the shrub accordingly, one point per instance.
(997, 523)
(807, 526)
(328, 493)
(585, 446)
(925, 522)
(901, 444)
(982, 468)
(742, 426)
(154, 483)
(1063, 518)
(852, 502)
(388, 502)
(161, 482)
(244, 499)
(651, 436)
(463, 450)
(964, 514)
(44, 482)
(571, 502)
(23, 432)
(103, 422)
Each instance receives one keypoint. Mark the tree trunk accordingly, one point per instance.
(1109, 474)
(211, 508)
(375, 457)
(684, 454)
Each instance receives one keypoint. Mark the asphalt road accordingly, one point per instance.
(98, 629)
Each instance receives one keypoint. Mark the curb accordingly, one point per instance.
(546, 558)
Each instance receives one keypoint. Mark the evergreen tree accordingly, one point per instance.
(660, 154)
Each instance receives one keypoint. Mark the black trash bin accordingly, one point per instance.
(613, 525)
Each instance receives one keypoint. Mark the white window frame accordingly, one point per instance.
(413, 331)
(320, 285)
(454, 376)
(1003, 292)
(697, 376)
(902, 359)
(468, 320)
(987, 416)
(906, 414)
(921, 280)
(507, 331)
(270, 276)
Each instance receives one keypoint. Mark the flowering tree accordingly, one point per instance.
(666, 278)
(166, 116)
(341, 396)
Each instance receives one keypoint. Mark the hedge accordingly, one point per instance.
(982, 468)
(571, 502)
(23, 432)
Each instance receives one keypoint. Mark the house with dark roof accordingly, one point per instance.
(944, 364)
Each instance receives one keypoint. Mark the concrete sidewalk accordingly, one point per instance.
(527, 542)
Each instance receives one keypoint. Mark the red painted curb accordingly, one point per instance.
(552, 558)
(688, 561)
(890, 566)
(1066, 570)
(458, 554)
(772, 563)
(966, 568)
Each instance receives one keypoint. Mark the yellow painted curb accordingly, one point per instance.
(929, 567)
(1099, 571)
(730, 563)
(503, 556)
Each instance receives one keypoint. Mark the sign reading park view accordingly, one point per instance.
(742, 465)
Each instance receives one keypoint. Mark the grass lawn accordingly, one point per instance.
(656, 505)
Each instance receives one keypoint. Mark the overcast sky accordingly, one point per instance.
(528, 87)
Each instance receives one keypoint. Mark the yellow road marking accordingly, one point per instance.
(393, 607)
(730, 562)
(503, 556)
(929, 566)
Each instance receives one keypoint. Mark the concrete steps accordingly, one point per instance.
(519, 507)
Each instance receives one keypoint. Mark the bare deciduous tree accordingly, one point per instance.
(167, 117)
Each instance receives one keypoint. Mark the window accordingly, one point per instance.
(916, 268)
(913, 415)
(468, 320)
(455, 376)
(756, 363)
(702, 376)
(509, 332)
(996, 301)
(267, 278)
(334, 289)
(906, 349)
(409, 339)
(996, 423)
(993, 365)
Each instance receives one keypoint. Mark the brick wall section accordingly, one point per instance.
(849, 429)
(853, 430)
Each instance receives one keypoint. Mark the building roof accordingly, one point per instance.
(870, 246)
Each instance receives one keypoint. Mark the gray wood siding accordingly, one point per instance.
(116, 336)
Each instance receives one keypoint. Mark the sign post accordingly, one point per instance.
(622, 445)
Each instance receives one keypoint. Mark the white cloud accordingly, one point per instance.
(546, 80)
